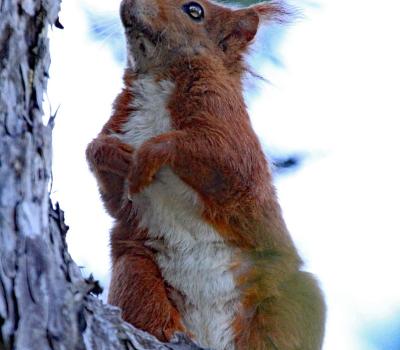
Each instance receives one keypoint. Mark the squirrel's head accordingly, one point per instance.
(163, 32)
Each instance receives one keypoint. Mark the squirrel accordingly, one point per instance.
(199, 244)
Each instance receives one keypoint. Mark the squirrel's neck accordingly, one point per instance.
(187, 71)
(204, 86)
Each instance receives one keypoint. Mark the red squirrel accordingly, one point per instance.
(199, 244)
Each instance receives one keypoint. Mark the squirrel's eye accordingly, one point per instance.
(194, 10)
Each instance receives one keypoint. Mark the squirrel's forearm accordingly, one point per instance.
(151, 156)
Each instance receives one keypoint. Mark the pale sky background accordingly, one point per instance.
(336, 100)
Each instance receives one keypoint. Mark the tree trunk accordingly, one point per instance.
(44, 301)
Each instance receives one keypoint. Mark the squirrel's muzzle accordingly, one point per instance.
(138, 11)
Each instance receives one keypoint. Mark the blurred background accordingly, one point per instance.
(328, 117)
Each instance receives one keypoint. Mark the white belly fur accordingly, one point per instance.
(192, 257)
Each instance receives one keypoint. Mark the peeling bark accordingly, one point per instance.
(44, 301)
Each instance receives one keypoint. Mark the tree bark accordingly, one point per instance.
(44, 301)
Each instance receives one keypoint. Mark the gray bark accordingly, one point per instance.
(44, 301)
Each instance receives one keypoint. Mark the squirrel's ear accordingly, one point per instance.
(240, 30)
(246, 21)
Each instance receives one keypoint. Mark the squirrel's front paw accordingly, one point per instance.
(139, 177)
(143, 170)
(150, 157)
(106, 153)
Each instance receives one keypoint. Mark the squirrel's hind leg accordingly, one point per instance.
(138, 288)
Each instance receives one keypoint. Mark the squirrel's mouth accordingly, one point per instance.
(142, 43)
(136, 30)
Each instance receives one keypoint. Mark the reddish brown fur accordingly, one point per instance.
(214, 150)
(134, 268)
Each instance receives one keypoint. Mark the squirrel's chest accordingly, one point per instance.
(192, 256)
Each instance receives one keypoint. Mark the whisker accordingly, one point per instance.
(101, 29)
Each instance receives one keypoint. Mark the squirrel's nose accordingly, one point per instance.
(142, 11)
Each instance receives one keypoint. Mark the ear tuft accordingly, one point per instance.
(275, 11)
